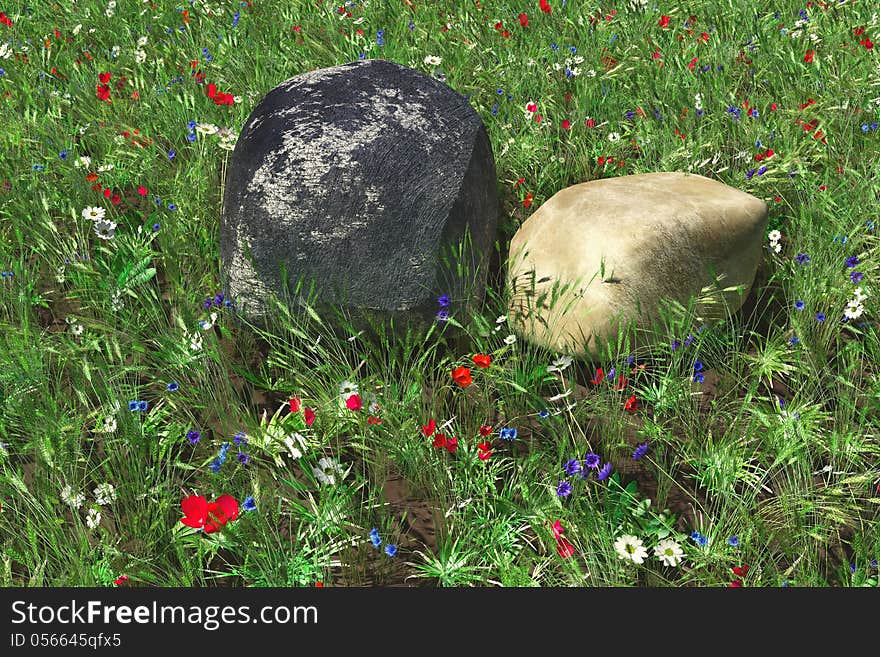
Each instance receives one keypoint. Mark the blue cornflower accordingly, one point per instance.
(174, 385)
(574, 50)
(171, 154)
(675, 344)
(689, 340)
(802, 258)
(630, 114)
(221, 455)
(820, 317)
(554, 46)
(781, 403)
(604, 472)
(761, 171)
(193, 436)
(543, 413)
(794, 340)
(235, 18)
(864, 127)
(249, 504)
(508, 433)
(733, 541)
(240, 439)
(856, 276)
(699, 539)
(132, 405)
(699, 377)
(374, 537)
(443, 301)
(799, 304)
(215, 465)
(500, 91)
(412, 26)
(495, 109)
(572, 467)
(641, 450)
(157, 201)
(191, 136)
(749, 174)
(362, 56)
(142, 406)
(852, 567)
(63, 154)
(156, 227)
(563, 489)
(442, 315)
(852, 261)
(698, 365)
(172, 207)
(244, 458)
(391, 550)
(874, 125)
(591, 460)
(873, 563)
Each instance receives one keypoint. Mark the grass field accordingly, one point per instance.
(740, 453)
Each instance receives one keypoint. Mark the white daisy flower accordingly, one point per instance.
(774, 236)
(669, 552)
(110, 424)
(108, 167)
(206, 128)
(142, 41)
(560, 363)
(291, 443)
(5, 51)
(140, 56)
(630, 547)
(510, 339)
(195, 342)
(105, 229)
(433, 60)
(94, 213)
(777, 247)
(347, 389)
(327, 470)
(82, 162)
(614, 137)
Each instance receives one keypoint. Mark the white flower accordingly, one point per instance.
(60, 275)
(698, 101)
(195, 342)
(327, 470)
(614, 137)
(105, 494)
(116, 302)
(669, 552)
(510, 339)
(114, 51)
(93, 519)
(590, 74)
(777, 247)
(105, 229)
(94, 213)
(73, 499)
(560, 363)
(5, 51)
(853, 312)
(142, 41)
(110, 424)
(433, 60)
(859, 295)
(139, 56)
(347, 389)
(206, 128)
(295, 451)
(108, 167)
(77, 329)
(774, 236)
(82, 162)
(630, 547)
(77, 29)
(501, 319)
(208, 324)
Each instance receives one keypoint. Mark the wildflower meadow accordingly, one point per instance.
(151, 437)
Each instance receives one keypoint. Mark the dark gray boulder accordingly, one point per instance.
(362, 178)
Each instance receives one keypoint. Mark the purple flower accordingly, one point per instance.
(852, 261)
(443, 301)
(820, 317)
(591, 460)
(572, 467)
(641, 450)
(689, 340)
(563, 489)
(799, 304)
(193, 437)
(856, 276)
(675, 344)
(442, 315)
(239, 439)
(604, 472)
(802, 258)
(244, 458)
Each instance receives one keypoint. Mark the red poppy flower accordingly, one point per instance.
(309, 416)
(462, 376)
(663, 22)
(482, 360)
(622, 381)
(354, 402)
(428, 429)
(102, 91)
(119, 580)
(485, 430)
(319, 585)
(808, 58)
(374, 420)
(523, 20)
(557, 530)
(104, 77)
(631, 404)
(451, 445)
(294, 405)
(143, 191)
(735, 584)
(741, 571)
(527, 202)
(485, 451)
(566, 124)
(564, 548)
(600, 376)
(439, 441)
(545, 6)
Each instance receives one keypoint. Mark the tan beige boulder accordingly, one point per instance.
(607, 251)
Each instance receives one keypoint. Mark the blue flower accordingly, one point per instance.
(820, 317)
(799, 304)
(572, 467)
(856, 276)
(171, 154)
(172, 207)
(563, 489)
(193, 436)
(794, 340)
(443, 301)
(391, 550)
(630, 360)
(604, 472)
(132, 405)
(543, 413)
(191, 136)
(240, 439)
(852, 261)
(374, 537)
(699, 377)
(442, 315)
(698, 365)
(733, 541)
(156, 227)
(174, 385)
(641, 450)
(591, 460)
(244, 458)
(699, 539)
(249, 504)
(675, 344)
(215, 465)
(554, 46)
(235, 18)
(508, 433)
(802, 258)
(495, 109)
(574, 50)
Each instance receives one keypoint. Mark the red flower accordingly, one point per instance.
(210, 516)
(621, 382)
(663, 22)
(451, 445)
(523, 20)
(119, 580)
(102, 91)
(528, 200)
(485, 430)
(557, 530)
(485, 451)
(104, 77)
(631, 405)
(143, 191)
(462, 376)
(564, 548)
(741, 571)
(735, 584)
(600, 376)
(566, 124)
(439, 441)
(867, 43)
(428, 429)
(5, 19)
(545, 6)
(294, 405)
(309, 416)
(353, 402)
(482, 360)
(374, 420)
(808, 58)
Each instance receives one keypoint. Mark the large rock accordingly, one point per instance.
(604, 252)
(360, 178)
